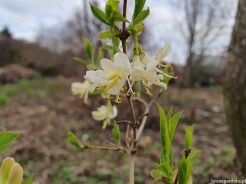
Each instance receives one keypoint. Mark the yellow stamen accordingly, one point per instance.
(118, 99)
(115, 75)
(112, 83)
(147, 90)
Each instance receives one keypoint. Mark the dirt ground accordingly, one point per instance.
(44, 110)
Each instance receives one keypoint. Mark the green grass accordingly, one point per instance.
(36, 88)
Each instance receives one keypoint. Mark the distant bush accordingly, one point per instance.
(50, 71)
(3, 99)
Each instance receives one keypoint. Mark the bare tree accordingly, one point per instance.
(235, 85)
(67, 36)
(82, 24)
(205, 24)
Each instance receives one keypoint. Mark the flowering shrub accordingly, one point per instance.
(121, 78)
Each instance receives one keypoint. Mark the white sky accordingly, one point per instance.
(26, 18)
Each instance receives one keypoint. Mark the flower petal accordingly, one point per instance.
(122, 61)
(107, 65)
(163, 52)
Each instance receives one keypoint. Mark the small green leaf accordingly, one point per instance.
(116, 133)
(166, 169)
(105, 35)
(182, 171)
(173, 124)
(99, 14)
(88, 46)
(188, 171)
(194, 155)
(139, 5)
(79, 60)
(138, 28)
(116, 44)
(157, 174)
(164, 131)
(73, 140)
(141, 16)
(107, 47)
(29, 180)
(6, 139)
(119, 17)
(100, 55)
(189, 136)
(111, 5)
(169, 115)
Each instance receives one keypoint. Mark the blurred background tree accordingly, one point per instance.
(205, 23)
(8, 51)
(235, 85)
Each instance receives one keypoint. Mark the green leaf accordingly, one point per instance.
(169, 115)
(139, 5)
(116, 133)
(188, 171)
(6, 139)
(79, 60)
(164, 131)
(189, 136)
(119, 17)
(100, 55)
(111, 5)
(107, 47)
(194, 155)
(116, 44)
(173, 124)
(29, 180)
(73, 140)
(138, 28)
(166, 169)
(182, 171)
(141, 16)
(99, 14)
(88, 46)
(157, 174)
(105, 35)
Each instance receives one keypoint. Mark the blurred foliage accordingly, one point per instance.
(32, 88)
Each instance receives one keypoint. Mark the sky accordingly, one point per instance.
(26, 18)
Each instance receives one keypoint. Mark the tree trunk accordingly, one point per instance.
(187, 75)
(235, 85)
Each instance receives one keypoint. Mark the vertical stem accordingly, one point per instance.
(123, 40)
(131, 168)
(124, 36)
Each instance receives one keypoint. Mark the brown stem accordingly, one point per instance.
(123, 35)
(116, 148)
(131, 168)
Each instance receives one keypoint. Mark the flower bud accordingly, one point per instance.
(11, 172)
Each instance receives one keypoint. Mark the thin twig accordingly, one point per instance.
(146, 113)
(105, 147)
(127, 136)
(123, 121)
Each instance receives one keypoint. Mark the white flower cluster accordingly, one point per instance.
(120, 75)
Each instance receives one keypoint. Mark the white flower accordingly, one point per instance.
(105, 113)
(82, 90)
(147, 72)
(113, 75)
(162, 53)
(146, 69)
(138, 69)
(153, 75)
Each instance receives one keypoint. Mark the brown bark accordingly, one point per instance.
(235, 85)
